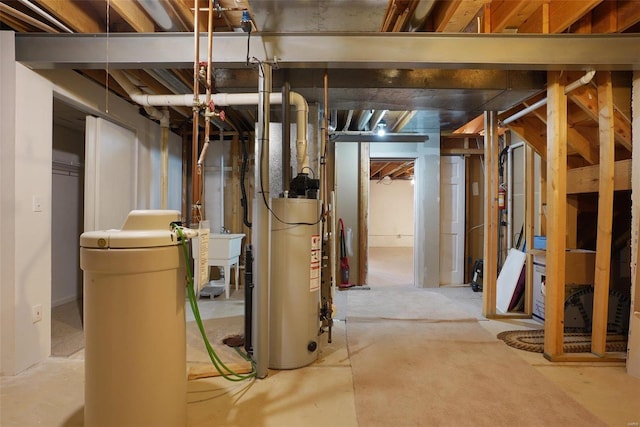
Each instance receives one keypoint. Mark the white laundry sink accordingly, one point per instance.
(225, 246)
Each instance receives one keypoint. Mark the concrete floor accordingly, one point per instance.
(51, 393)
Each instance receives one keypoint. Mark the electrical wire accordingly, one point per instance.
(226, 372)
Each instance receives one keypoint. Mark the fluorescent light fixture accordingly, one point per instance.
(351, 136)
(157, 11)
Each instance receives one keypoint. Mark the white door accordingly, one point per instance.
(452, 216)
(111, 157)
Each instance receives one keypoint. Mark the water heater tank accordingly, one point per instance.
(295, 283)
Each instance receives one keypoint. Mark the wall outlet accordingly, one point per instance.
(36, 313)
(37, 204)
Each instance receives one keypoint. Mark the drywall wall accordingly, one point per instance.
(391, 213)
(347, 200)
(7, 201)
(28, 207)
(27, 98)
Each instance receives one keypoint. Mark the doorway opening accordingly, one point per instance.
(67, 223)
(391, 222)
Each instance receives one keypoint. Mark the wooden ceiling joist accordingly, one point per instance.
(533, 131)
(72, 14)
(511, 14)
(586, 97)
(455, 15)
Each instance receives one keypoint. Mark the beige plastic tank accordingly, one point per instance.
(134, 323)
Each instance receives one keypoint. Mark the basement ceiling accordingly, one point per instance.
(407, 99)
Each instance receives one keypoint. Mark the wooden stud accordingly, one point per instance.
(490, 255)
(556, 214)
(363, 213)
(605, 214)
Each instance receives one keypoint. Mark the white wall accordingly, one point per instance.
(27, 98)
(29, 273)
(7, 201)
(347, 199)
(391, 214)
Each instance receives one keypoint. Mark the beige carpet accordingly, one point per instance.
(427, 362)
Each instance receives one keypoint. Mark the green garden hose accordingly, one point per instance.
(224, 371)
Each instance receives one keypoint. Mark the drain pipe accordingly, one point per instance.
(588, 76)
(261, 229)
(227, 99)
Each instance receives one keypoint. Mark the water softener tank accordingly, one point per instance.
(134, 323)
(295, 283)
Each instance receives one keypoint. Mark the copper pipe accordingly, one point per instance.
(208, 111)
(195, 181)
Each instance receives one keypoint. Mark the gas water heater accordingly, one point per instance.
(296, 256)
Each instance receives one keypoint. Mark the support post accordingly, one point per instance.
(261, 226)
(556, 215)
(605, 214)
(490, 255)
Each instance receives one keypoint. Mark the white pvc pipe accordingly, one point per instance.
(588, 76)
(226, 99)
(46, 15)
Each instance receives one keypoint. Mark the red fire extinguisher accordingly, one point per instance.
(502, 192)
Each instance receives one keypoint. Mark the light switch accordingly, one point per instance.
(37, 204)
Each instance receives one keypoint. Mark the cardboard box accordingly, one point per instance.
(579, 272)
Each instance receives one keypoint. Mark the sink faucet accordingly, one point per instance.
(224, 230)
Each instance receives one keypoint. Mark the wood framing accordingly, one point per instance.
(363, 213)
(490, 273)
(586, 179)
(556, 214)
(605, 214)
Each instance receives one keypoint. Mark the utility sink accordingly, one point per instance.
(224, 252)
(225, 246)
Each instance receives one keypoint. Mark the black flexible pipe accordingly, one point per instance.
(248, 299)
(243, 172)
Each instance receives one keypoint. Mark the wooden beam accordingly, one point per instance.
(454, 15)
(575, 139)
(604, 18)
(363, 213)
(532, 130)
(586, 97)
(490, 255)
(22, 21)
(379, 168)
(564, 13)
(556, 214)
(586, 179)
(511, 14)
(628, 14)
(605, 215)
(73, 15)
